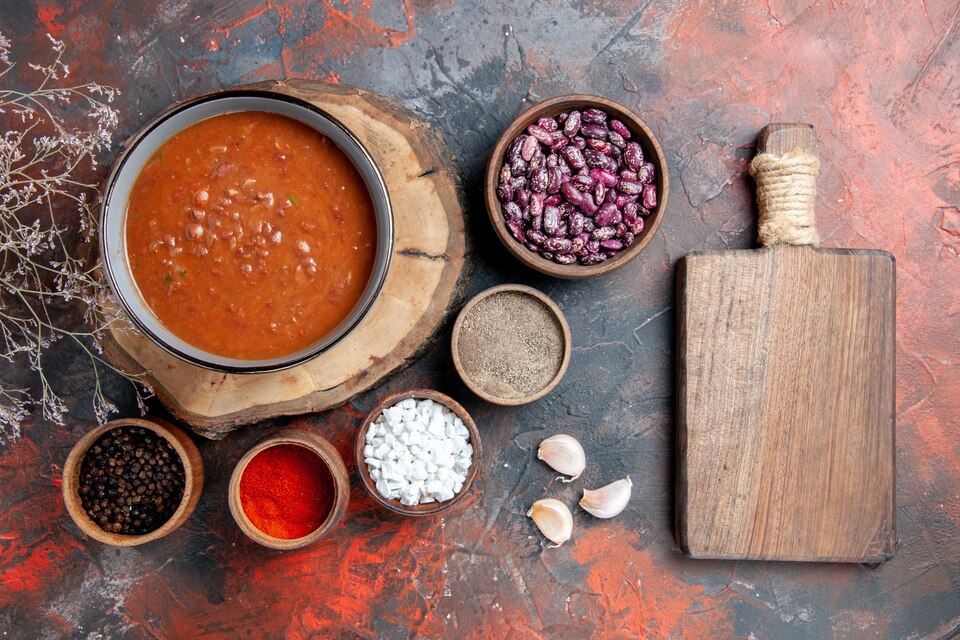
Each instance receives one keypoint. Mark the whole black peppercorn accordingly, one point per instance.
(123, 468)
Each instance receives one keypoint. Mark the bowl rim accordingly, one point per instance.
(546, 301)
(235, 365)
(429, 508)
(192, 480)
(553, 106)
(330, 457)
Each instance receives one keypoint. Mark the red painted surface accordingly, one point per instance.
(880, 82)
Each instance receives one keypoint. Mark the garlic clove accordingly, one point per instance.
(608, 501)
(554, 520)
(564, 454)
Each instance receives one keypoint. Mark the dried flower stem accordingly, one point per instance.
(43, 283)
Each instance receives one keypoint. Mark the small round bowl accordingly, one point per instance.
(192, 486)
(653, 154)
(141, 147)
(536, 297)
(429, 508)
(327, 454)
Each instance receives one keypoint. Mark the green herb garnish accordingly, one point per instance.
(183, 273)
(294, 200)
(168, 278)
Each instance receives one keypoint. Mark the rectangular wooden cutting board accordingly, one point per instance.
(786, 399)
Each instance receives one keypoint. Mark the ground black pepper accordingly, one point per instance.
(131, 481)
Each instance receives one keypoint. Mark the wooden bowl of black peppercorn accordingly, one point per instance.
(132, 481)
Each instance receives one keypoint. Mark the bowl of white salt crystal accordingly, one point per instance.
(418, 452)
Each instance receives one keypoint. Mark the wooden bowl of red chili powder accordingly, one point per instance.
(289, 490)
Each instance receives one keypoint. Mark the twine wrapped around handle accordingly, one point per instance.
(786, 194)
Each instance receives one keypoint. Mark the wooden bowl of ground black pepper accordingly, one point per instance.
(145, 435)
(511, 344)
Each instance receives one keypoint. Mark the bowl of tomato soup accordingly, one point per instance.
(246, 231)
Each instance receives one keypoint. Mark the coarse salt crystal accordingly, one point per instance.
(418, 451)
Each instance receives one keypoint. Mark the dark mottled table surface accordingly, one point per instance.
(881, 83)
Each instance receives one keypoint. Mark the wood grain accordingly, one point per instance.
(786, 403)
(426, 281)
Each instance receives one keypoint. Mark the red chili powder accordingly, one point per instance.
(286, 491)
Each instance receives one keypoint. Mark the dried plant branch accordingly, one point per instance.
(43, 283)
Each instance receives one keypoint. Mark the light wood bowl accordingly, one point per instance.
(540, 297)
(338, 471)
(429, 508)
(652, 153)
(193, 481)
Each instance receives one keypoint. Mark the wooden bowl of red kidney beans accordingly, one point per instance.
(576, 186)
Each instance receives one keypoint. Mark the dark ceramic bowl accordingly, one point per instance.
(142, 147)
(652, 152)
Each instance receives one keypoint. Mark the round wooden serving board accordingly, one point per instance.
(426, 281)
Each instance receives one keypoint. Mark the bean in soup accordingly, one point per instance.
(250, 235)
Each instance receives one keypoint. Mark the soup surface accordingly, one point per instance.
(250, 235)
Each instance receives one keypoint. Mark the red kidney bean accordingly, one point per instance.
(588, 206)
(522, 197)
(547, 123)
(547, 254)
(542, 135)
(621, 229)
(610, 164)
(536, 223)
(551, 220)
(594, 116)
(603, 233)
(637, 227)
(515, 227)
(559, 144)
(633, 155)
(551, 161)
(592, 258)
(576, 224)
(560, 245)
(536, 204)
(629, 187)
(630, 210)
(608, 215)
(592, 245)
(511, 211)
(564, 258)
(572, 195)
(579, 142)
(572, 124)
(623, 199)
(553, 200)
(601, 145)
(595, 159)
(613, 244)
(611, 196)
(506, 175)
(606, 177)
(536, 237)
(645, 173)
(650, 196)
(628, 238)
(518, 166)
(556, 178)
(643, 211)
(574, 157)
(539, 179)
(504, 192)
(620, 128)
(588, 225)
(532, 247)
(562, 117)
(563, 231)
(599, 192)
(513, 151)
(528, 148)
(578, 242)
(616, 139)
(591, 130)
(582, 181)
(626, 174)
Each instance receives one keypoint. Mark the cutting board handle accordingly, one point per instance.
(785, 169)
